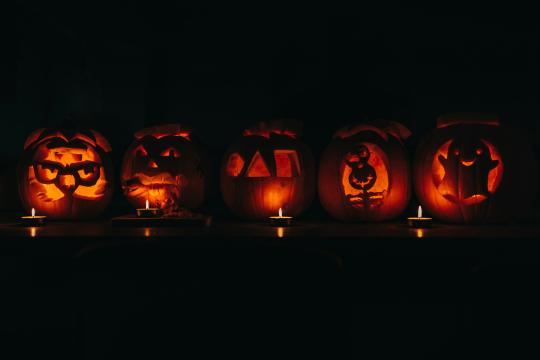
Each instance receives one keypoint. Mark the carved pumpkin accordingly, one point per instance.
(66, 174)
(266, 169)
(472, 170)
(364, 174)
(165, 166)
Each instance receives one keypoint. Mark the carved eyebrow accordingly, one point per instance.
(142, 150)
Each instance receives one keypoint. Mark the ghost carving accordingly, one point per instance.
(466, 169)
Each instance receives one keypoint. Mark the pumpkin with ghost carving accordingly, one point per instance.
(471, 169)
(167, 167)
(266, 169)
(66, 174)
(364, 173)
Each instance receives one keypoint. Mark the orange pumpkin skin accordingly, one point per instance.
(470, 169)
(66, 174)
(167, 167)
(364, 173)
(267, 170)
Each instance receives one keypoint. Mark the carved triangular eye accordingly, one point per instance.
(170, 152)
(141, 151)
(257, 167)
(235, 164)
(287, 164)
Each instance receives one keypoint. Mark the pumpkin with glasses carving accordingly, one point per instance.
(472, 169)
(364, 173)
(266, 169)
(167, 167)
(66, 174)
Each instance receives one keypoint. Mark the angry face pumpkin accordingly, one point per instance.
(266, 169)
(66, 174)
(165, 166)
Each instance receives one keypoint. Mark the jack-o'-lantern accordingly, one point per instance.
(266, 169)
(66, 174)
(167, 167)
(364, 174)
(473, 170)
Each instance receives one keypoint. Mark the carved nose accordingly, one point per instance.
(66, 183)
(152, 164)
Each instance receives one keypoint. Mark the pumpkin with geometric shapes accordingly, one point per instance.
(166, 166)
(364, 173)
(473, 170)
(66, 174)
(266, 169)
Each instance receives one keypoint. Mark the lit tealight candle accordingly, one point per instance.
(33, 220)
(280, 220)
(419, 221)
(148, 211)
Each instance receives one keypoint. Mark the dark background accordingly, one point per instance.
(120, 66)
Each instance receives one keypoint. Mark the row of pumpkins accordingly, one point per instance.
(470, 169)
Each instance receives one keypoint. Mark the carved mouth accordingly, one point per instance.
(468, 162)
(162, 179)
(471, 200)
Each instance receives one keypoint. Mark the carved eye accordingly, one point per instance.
(141, 151)
(456, 152)
(87, 172)
(170, 152)
(235, 164)
(257, 167)
(47, 172)
(479, 151)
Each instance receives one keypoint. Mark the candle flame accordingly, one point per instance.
(147, 205)
(33, 212)
(280, 212)
(419, 211)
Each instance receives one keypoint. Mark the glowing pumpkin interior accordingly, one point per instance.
(480, 156)
(154, 168)
(60, 169)
(287, 165)
(364, 176)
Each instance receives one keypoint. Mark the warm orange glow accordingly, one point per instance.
(67, 155)
(62, 167)
(235, 164)
(494, 176)
(374, 194)
(287, 163)
(283, 165)
(280, 232)
(419, 233)
(276, 195)
(33, 232)
(171, 152)
(147, 204)
(45, 193)
(95, 191)
(419, 211)
(257, 167)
